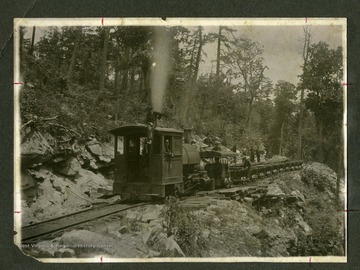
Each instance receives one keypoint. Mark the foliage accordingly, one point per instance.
(184, 227)
(238, 103)
(283, 121)
(322, 78)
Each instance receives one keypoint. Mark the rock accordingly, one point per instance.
(104, 159)
(205, 233)
(41, 174)
(86, 243)
(153, 253)
(46, 249)
(123, 230)
(274, 191)
(93, 165)
(151, 236)
(70, 168)
(58, 184)
(295, 196)
(35, 149)
(94, 147)
(254, 230)
(113, 229)
(172, 249)
(147, 217)
(248, 200)
(26, 180)
(108, 150)
(132, 216)
(65, 253)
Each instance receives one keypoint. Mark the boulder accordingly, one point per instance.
(70, 168)
(94, 147)
(123, 230)
(152, 213)
(151, 236)
(295, 196)
(86, 243)
(41, 174)
(274, 191)
(248, 200)
(254, 229)
(35, 149)
(27, 180)
(104, 159)
(46, 249)
(171, 248)
(108, 150)
(65, 253)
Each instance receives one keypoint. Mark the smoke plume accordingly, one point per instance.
(160, 68)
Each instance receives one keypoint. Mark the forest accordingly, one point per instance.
(93, 79)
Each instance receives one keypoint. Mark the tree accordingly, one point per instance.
(285, 96)
(74, 53)
(222, 39)
(246, 64)
(305, 56)
(103, 58)
(322, 78)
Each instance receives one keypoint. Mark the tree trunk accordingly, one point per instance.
(125, 79)
(73, 56)
(132, 79)
(305, 56)
(116, 81)
(218, 53)
(194, 77)
(339, 173)
(301, 115)
(31, 50)
(146, 96)
(103, 59)
(198, 56)
(281, 138)
(141, 85)
(320, 152)
(249, 113)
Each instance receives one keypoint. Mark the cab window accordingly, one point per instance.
(132, 145)
(119, 145)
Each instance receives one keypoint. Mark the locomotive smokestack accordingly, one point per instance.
(187, 135)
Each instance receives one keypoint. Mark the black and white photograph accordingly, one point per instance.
(181, 140)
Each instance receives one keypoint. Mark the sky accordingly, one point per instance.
(282, 46)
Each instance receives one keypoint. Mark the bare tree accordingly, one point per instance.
(305, 56)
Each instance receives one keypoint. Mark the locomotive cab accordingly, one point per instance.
(147, 169)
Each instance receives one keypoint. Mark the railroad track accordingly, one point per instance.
(32, 232)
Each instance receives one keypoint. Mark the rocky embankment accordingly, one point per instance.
(58, 180)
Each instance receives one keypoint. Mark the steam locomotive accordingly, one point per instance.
(170, 165)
